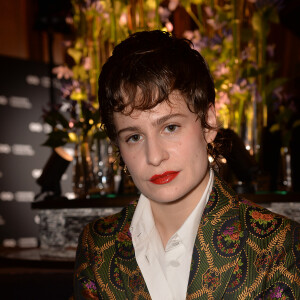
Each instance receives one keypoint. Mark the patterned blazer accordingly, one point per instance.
(242, 251)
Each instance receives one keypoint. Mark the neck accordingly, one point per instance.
(169, 217)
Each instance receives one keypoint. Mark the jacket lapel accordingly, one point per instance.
(126, 264)
(217, 251)
(218, 246)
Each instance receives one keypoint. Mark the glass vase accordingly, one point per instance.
(84, 181)
(103, 166)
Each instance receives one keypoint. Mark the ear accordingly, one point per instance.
(211, 120)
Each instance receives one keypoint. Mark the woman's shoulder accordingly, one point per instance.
(257, 213)
(249, 211)
(109, 226)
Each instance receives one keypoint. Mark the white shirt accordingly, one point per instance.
(166, 271)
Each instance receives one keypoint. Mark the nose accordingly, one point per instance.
(156, 152)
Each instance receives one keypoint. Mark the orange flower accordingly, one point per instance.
(123, 237)
(126, 227)
(236, 268)
(256, 215)
(235, 236)
(267, 217)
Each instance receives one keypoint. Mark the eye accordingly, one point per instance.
(171, 128)
(134, 138)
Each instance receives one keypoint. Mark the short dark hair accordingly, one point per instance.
(145, 68)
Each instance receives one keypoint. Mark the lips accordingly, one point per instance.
(164, 178)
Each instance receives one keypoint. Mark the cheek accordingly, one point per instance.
(196, 148)
(131, 160)
(125, 156)
(128, 160)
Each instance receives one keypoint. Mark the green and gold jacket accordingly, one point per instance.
(242, 251)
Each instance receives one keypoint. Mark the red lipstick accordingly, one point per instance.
(164, 178)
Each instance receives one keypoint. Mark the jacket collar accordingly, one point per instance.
(128, 269)
(220, 239)
(220, 235)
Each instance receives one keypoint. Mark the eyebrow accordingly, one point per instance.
(164, 119)
(157, 122)
(130, 128)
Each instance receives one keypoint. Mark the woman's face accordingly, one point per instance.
(165, 150)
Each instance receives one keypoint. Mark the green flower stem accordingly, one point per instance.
(132, 12)
(237, 7)
(261, 61)
(101, 52)
(240, 116)
(157, 19)
(193, 16)
(114, 36)
(141, 13)
(81, 116)
(200, 17)
(263, 76)
(95, 56)
(235, 28)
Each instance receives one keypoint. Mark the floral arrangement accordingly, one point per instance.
(97, 27)
(231, 35)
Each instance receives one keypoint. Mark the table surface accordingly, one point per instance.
(33, 258)
(122, 200)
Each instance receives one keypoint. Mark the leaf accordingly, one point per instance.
(246, 34)
(296, 123)
(275, 127)
(272, 85)
(271, 68)
(56, 138)
(72, 137)
(79, 73)
(78, 95)
(54, 118)
(257, 22)
(271, 15)
(252, 72)
(75, 54)
(99, 134)
(185, 3)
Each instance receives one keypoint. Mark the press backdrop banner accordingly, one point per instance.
(24, 93)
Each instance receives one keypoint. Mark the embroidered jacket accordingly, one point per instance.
(242, 251)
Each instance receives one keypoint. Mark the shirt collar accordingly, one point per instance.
(188, 230)
(143, 224)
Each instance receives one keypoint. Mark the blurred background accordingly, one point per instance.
(57, 168)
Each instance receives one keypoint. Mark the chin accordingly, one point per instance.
(165, 197)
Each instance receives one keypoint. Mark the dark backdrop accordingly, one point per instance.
(24, 93)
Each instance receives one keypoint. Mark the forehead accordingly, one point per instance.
(174, 100)
(175, 104)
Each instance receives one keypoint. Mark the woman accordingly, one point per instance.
(189, 236)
